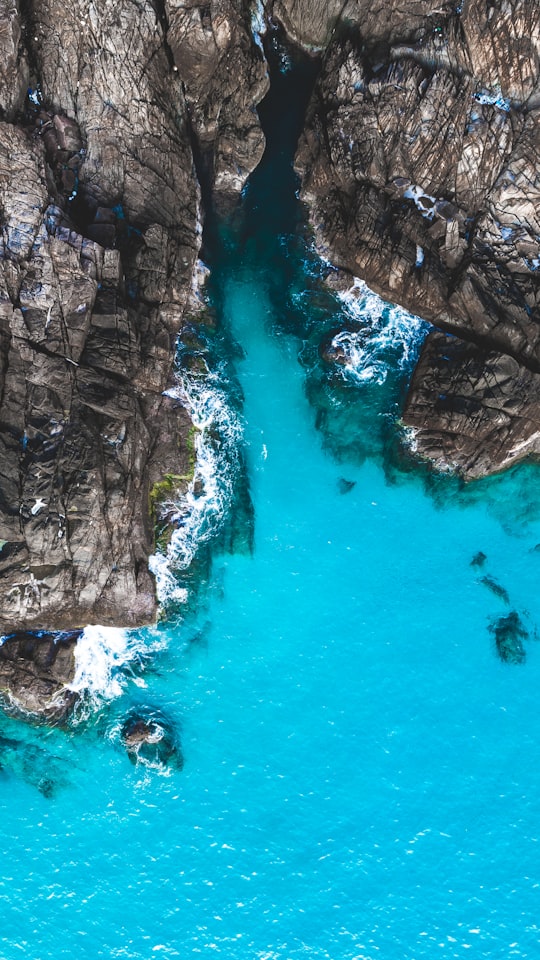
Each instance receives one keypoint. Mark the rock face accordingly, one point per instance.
(421, 164)
(100, 234)
(225, 75)
(472, 410)
(34, 672)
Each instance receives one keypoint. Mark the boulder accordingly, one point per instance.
(151, 739)
(35, 673)
(471, 410)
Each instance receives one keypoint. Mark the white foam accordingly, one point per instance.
(199, 513)
(424, 202)
(493, 98)
(104, 661)
(389, 335)
(258, 23)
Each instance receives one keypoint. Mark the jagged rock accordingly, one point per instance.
(471, 410)
(223, 68)
(14, 72)
(100, 236)
(150, 739)
(421, 168)
(35, 670)
(312, 23)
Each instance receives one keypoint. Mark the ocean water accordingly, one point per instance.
(361, 774)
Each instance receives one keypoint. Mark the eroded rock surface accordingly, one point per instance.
(472, 410)
(421, 164)
(225, 76)
(35, 673)
(101, 227)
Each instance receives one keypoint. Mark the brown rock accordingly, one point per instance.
(34, 674)
(421, 171)
(472, 410)
(87, 332)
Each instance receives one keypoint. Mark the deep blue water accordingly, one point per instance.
(361, 771)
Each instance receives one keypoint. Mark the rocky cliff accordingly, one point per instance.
(111, 114)
(420, 170)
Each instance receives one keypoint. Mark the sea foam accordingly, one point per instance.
(106, 659)
(389, 336)
(198, 515)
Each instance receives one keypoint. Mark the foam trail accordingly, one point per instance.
(389, 335)
(199, 514)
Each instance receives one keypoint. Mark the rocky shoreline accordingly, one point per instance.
(420, 173)
(122, 126)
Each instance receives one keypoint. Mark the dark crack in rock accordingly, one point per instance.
(100, 233)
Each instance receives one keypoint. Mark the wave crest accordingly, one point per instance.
(387, 336)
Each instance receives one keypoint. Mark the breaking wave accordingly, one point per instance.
(199, 514)
(387, 336)
(107, 659)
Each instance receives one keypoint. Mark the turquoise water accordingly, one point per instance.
(361, 774)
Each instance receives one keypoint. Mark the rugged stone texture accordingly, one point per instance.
(151, 739)
(225, 76)
(14, 72)
(100, 234)
(421, 166)
(472, 410)
(34, 674)
(312, 23)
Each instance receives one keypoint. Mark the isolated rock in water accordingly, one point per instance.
(345, 486)
(479, 559)
(34, 672)
(495, 588)
(150, 738)
(472, 410)
(509, 632)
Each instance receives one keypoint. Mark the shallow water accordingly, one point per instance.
(361, 773)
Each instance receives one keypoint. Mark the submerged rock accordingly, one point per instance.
(32, 764)
(151, 739)
(35, 671)
(345, 486)
(509, 632)
(479, 559)
(495, 588)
